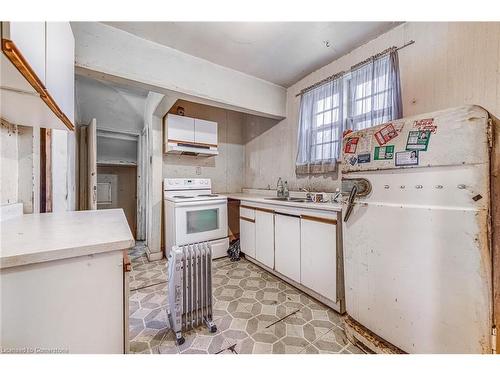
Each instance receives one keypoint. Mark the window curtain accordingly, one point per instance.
(320, 128)
(375, 92)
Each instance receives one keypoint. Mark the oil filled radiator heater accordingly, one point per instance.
(190, 288)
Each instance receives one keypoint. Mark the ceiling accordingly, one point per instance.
(113, 106)
(278, 52)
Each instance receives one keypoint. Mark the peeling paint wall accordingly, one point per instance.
(9, 164)
(17, 163)
(450, 64)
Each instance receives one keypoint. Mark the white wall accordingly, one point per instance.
(18, 160)
(449, 65)
(114, 52)
(154, 201)
(9, 164)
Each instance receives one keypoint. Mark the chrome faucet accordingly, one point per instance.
(279, 188)
(308, 194)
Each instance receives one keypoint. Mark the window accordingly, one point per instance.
(374, 94)
(320, 130)
(370, 95)
(326, 128)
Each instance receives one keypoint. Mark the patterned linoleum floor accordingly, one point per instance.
(255, 312)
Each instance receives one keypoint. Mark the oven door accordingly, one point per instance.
(200, 221)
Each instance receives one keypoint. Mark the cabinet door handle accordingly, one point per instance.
(283, 214)
(247, 219)
(319, 219)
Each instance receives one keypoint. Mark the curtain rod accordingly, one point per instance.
(339, 74)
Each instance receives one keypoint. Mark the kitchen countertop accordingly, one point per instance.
(36, 238)
(262, 199)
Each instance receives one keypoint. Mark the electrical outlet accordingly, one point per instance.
(198, 171)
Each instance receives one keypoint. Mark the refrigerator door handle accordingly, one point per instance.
(350, 205)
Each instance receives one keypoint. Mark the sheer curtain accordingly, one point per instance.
(320, 128)
(375, 92)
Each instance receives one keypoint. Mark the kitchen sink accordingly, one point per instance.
(289, 199)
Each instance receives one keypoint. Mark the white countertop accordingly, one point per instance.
(263, 199)
(36, 238)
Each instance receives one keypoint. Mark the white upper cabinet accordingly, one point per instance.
(179, 129)
(187, 135)
(60, 71)
(38, 59)
(29, 37)
(205, 132)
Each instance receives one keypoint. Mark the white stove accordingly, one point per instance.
(194, 214)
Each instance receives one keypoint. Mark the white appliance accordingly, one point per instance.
(190, 288)
(193, 214)
(418, 256)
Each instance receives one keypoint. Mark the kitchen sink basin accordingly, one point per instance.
(289, 199)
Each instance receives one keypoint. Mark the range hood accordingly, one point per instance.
(190, 149)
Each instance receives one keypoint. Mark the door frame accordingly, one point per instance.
(45, 170)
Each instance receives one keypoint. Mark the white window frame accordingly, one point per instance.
(332, 125)
(351, 119)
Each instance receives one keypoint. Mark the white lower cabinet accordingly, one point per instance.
(297, 245)
(264, 237)
(247, 236)
(287, 245)
(318, 260)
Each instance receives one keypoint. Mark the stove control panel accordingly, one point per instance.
(186, 183)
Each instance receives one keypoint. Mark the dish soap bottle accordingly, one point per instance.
(286, 193)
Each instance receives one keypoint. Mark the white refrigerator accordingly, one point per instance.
(417, 231)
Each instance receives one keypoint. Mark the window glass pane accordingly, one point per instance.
(335, 100)
(335, 134)
(327, 118)
(327, 136)
(336, 113)
(363, 106)
(319, 137)
(328, 102)
(318, 152)
(327, 151)
(381, 83)
(363, 89)
(319, 120)
(381, 101)
(202, 220)
(320, 105)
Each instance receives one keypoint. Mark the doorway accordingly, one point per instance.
(117, 188)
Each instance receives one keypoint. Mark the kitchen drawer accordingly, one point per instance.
(249, 213)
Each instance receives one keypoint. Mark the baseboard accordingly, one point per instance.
(152, 256)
